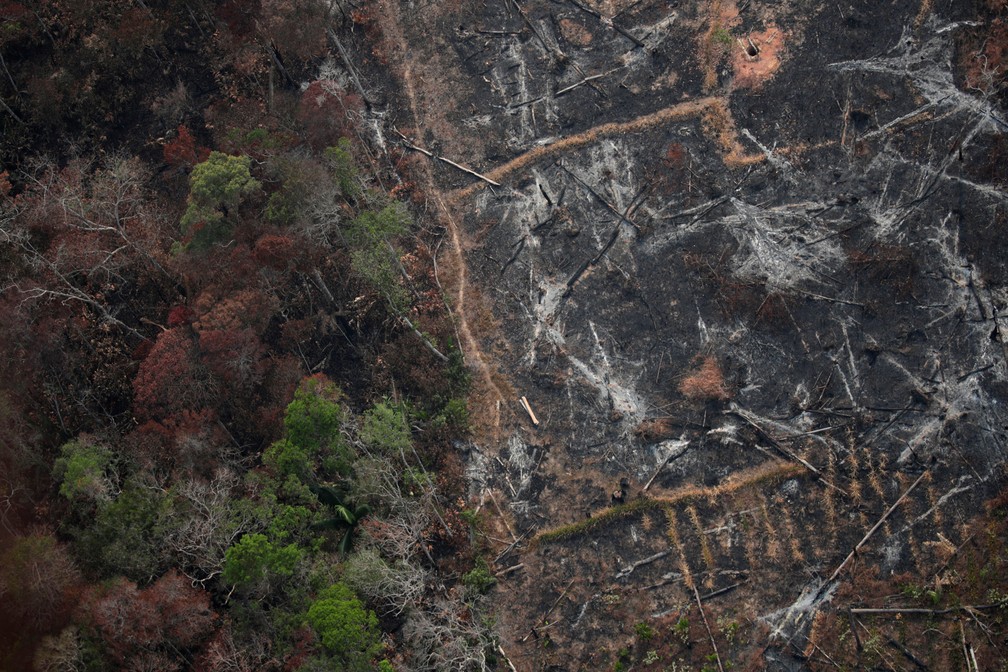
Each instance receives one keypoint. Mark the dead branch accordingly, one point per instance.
(967, 608)
(742, 413)
(508, 660)
(699, 604)
(410, 145)
(528, 409)
(511, 569)
(629, 569)
(586, 80)
(673, 455)
(722, 591)
(608, 22)
(426, 341)
(349, 66)
(820, 297)
(514, 543)
(623, 217)
(493, 499)
(557, 53)
(550, 610)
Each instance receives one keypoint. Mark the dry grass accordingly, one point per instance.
(829, 497)
(721, 127)
(795, 541)
(718, 124)
(772, 471)
(655, 429)
(672, 529)
(706, 383)
(705, 548)
(773, 550)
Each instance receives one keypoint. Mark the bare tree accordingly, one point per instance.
(78, 230)
(447, 635)
(399, 584)
(208, 525)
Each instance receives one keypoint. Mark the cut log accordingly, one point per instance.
(528, 409)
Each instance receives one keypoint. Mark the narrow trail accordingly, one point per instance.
(491, 395)
(475, 356)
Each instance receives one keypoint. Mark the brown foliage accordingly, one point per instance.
(706, 382)
(654, 429)
(157, 623)
(170, 379)
(328, 112)
(37, 581)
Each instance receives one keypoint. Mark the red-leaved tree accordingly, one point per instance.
(170, 379)
(158, 624)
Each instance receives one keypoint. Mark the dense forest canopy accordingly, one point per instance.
(230, 385)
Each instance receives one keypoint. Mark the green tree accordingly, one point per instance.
(129, 535)
(286, 458)
(372, 254)
(344, 170)
(346, 629)
(314, 422)
(385, 429)
(82, 470)
(255, 559)
(217, 187)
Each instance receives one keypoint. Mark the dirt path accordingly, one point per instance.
(487, 395)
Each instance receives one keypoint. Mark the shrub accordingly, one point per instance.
(254, 559)
(479, 580)
(82, 470)
(644, 631)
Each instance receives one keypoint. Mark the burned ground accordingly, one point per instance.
(761, 243)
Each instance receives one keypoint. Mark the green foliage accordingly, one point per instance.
(385, 429)
(128, 534)
(287, 458)
(241, 140)
(722, 37)
(255, 559)
(346, 514)
(681, 629)
(314, 420)
(454, 414)
(385, 666)
(221, 181)
(644, 631)
(622, 660)
(472, 517)
(290, 523)
(415, 480)
(372, 255)
(282, 207)
(82, 470)
(479, 580)
(217, 186)
(346, 629)
(344, 170)
(729, 628)
(371, 228)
